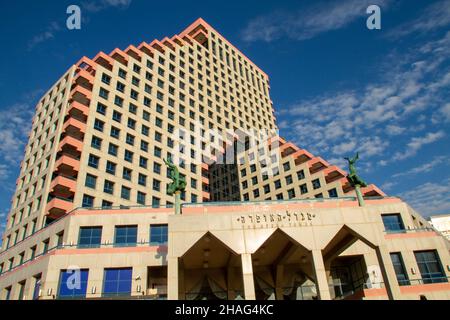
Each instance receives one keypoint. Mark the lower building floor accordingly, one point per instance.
(274, 250)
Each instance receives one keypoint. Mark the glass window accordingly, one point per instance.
(316, 184)
(88, 201)
(108, 187)
(90, 181)
(393, 222)
(125, 193)
(93, 161)
(430, 266)
(117, 282)
(301, 175)
(125, 236)
(90, 237)
(332, 193)
(115, 132)
(96, 142)
(141, 198)
(158, 234)
(110, 167)
(399, 267)
(67, 289)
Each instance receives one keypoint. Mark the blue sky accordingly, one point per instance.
(337, 86)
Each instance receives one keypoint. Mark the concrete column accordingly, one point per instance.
(247, 276)
(389, 277)
(172, 278)
(323, 288)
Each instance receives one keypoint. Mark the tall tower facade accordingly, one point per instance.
(92, 197)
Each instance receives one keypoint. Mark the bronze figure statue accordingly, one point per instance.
(353, 177)
(178, 181)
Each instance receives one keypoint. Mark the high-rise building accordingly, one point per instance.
(93, 182)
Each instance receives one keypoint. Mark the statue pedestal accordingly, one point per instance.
(178, 202)
(359, 195)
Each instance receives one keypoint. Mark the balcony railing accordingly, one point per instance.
(412, 230)
(163, 246)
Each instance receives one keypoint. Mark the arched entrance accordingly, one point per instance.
(210, 270)
(283, 270)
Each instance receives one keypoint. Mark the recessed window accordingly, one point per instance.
(400, 270)
(66, 289)
(117, 282)
(125, 236)
(393, 222)
(430, 266)
(90, 237)
(158, 234)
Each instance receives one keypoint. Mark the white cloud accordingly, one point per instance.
(48, 34)
(394, 130)
(96, 6)
(426, 167)
(429, 198)
(416, 143)
(378, 117)
(434, 17)
(309, 22)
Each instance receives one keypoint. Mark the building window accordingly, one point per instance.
(115, 132)
(96, 143)
(93, 161)
(303, 188)
(301, 175)
(316, 184)
(141, 198)
(117, 282)
(158, 234)
(108, 187)
(90, 237)
(155, 202)
(399, 267)
(286, 166)
(37, 286)
(291, 193)
(125, 236)
(91, 181)
(110, 167)
(142, 179)
(88, 201)
(112, 149)
(393, 222)
(332, 193)
(106, 204)
(125, 193)
(66, 289)
(430, 266)
(21, 290)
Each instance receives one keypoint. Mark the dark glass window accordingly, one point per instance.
(90, 181)
(430, 266)
(332, 193)
(316, 184)
(393, 222)
(108, 187)
(66, 289)
(399, 267)
(117, 282)
(125, 194)
(90, 237)
(158, 234)
(93, 161)
(88, 201)
(125, 236)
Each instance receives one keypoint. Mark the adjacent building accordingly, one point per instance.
(91, 217)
